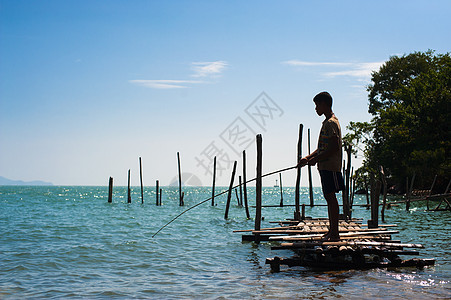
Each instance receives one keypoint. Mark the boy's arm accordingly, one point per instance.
(334, 146)
(305, 160)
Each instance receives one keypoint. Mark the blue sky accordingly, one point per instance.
(87, 87)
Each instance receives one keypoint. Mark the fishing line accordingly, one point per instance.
(250, 180)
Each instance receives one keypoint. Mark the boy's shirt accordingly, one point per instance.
(331, 127)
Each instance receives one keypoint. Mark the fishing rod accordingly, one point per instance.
(250, 180)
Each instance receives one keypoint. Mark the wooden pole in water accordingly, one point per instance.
(110, 190)
(258, 185)
(384, 199)
(157, 190)
(241, 191)
(180, 180)
(229, 195)
(346, 210)
(237, 197)
(214, 182)
(129, 197)
(375, 193)
(246, 206)
(410, 191)
(281, 190)
(161, 193)
(141, 180)
(351, 203)
(297, 212)
(309, 169)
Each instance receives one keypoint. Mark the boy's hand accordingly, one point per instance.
(302, 162)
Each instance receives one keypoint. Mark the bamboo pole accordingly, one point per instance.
(241, 191)
(281, 190)
(384, 199)
(297, 213)
(346, 210)
(110, 190)
(141, 180)
(180, 180)
(129, 197)
(309, 168)
(375, 193)
(258, 185)
(409, 195)
(157, 190)
(246, 206)
(229, 195)
(214, 183)
(352, 190)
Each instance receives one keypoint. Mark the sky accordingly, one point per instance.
(88, 87)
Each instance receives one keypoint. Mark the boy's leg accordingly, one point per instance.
(333, 210)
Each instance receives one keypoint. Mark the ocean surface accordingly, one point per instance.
(68, 242)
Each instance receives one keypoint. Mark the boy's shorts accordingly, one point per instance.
(331, 182)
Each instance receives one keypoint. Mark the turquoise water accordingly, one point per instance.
(68, 242)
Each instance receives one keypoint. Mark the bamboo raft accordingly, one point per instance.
(359, 247)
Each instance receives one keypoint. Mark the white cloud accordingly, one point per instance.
(360, 71)
(164, 84)
(206, 69)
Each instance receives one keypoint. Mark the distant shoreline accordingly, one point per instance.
(9, 182)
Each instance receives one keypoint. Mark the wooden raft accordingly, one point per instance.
(359, 247)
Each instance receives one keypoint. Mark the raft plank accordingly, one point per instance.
(349, 243)
(309, 236)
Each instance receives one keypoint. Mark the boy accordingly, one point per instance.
(328, 156)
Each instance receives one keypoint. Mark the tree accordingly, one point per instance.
(409, 98)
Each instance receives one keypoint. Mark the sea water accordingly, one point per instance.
(69, 242)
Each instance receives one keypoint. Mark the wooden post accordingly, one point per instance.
(258, 185)
(303, 212)
(246, 206)
(309, 168)
(241, 191)
(180, 180)
(237, 197)
(229, 195)
(214, 182)
(366, 192)
(281, 190)
(375, 193)
(129, 197)
(157, 190)
(346, 210)
(141, 180)
(110, 190)
(351, 203)
(161, 193)
(410, 191)
(384, 199)
(297, 213)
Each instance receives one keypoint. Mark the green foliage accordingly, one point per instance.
(409, 99)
